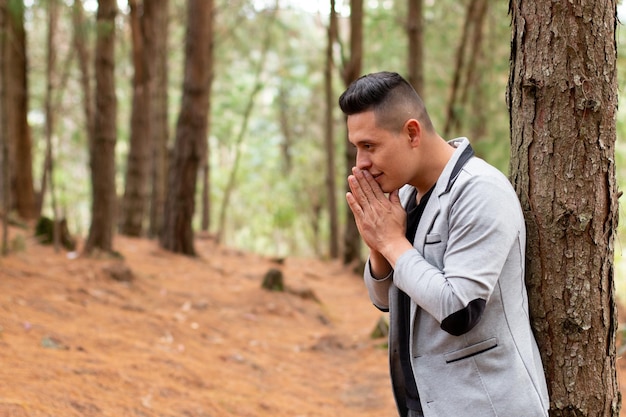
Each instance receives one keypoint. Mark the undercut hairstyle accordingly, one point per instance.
(392, 99)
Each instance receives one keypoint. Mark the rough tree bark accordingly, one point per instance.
(562, 98)
(102, 153)
(191, 131)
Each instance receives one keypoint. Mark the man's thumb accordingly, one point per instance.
(394, 197)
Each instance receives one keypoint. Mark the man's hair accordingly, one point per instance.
(392, 99)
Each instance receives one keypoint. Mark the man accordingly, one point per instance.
(447, 249)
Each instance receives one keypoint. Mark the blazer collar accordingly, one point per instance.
(463, 152)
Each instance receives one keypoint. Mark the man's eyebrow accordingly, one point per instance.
(363, 141)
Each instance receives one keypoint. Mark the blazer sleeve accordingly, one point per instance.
(378, 289)
(485, 224)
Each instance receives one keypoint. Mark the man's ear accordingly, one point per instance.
(413, 129)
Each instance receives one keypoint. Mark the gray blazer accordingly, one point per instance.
(469, 246)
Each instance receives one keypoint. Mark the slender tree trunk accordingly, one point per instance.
(136, 191)
(191, 131)
(5, 194)
(159, 131)
(467, 57)
(258, 86)
(206, 158)
(415, 32)
(562, 99)
(331, 186)
(206, 194)
(351, 71)
(19, 132)
(79, 38)
(47, 177)
(104, 194)
(284, 116)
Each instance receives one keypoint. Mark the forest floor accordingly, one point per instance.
(194, 337)
(186, 337)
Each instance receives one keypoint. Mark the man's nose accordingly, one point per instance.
(362, 161)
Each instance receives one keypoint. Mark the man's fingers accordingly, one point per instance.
(358, 193)
(371, 188)
(394, 197)
(354, 205)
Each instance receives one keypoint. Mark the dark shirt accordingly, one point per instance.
(414, 214)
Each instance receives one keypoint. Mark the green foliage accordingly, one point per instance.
(278, 205)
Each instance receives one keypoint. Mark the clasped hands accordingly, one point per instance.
(381, 219)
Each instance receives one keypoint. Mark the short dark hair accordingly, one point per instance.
(392, 99)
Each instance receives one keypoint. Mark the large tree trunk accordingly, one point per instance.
(191, 131)
(18, 130)
(329, 135)
(136, 191)
(105, 137)
(415, 34)
(351, 71)
(159, 126)
(562, 100)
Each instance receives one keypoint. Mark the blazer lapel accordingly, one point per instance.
(448, 175)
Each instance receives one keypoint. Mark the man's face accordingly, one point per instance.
(385, 154)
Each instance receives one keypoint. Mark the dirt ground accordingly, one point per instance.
(185, 337)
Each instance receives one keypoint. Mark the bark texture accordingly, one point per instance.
(18, 129)
(191, 131)
(102, 155)
(562, 99)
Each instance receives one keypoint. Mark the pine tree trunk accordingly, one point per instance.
(5, 171)
(48, 169)
(84, 57)
(136, 195)
(329, 135)
(352, 238)
(562, 100)
(102, 156)
(159, 127)
(468, 55)
(191, 131)
(19, 133)
(415, 35)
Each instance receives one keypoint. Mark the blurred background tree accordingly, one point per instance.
(264, 182)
